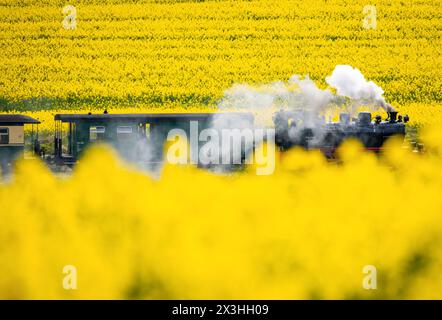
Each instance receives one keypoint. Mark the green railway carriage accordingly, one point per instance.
(13, 139)
(138, 137)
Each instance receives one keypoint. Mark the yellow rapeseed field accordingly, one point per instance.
(169, 54)
(183, 55)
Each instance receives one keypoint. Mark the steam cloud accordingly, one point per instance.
(296, 94)
(350, 82)
(303, 94)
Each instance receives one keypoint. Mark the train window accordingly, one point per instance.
(96, 133)
(4, 136)
(124, 132)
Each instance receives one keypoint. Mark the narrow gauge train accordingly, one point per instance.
(142, 136)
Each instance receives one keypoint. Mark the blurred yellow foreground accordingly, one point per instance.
(306, 231)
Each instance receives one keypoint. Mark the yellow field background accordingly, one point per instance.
(186, 53)
(305, 232)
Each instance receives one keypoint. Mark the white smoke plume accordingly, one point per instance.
(242, 96)
(295, 93)
(303, 94)
(264, 100)
(350, 82)
(308, 96)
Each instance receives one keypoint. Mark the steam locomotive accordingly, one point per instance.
(307, 130)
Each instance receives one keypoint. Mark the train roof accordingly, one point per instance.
(145, 116)
(17, 119)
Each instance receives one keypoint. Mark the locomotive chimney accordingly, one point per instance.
(392, 116)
